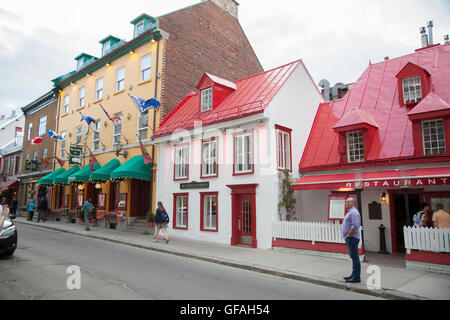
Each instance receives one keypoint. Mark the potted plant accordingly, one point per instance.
(150, 218)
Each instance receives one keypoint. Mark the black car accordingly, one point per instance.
(8, 237)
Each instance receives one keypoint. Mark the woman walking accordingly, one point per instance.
(161, 221)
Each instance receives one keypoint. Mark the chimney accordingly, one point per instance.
(423, 32)
(386, 58)
(446, 39)
(430, 32)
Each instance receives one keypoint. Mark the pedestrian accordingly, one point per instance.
(31, 209)
(88, 210)
(42, 208)
(13, 208)
(161, 221)
(3, 213)
(352, 236)
(420, 219)
(441, 218)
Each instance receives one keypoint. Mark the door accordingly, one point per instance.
(400, 215)
(245, 215)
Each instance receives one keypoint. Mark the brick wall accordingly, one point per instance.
(203, 38)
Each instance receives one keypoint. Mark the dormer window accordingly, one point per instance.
(355, 146)
(206, 98)
(106, 47)
(139, 28)
(433, 137)
(79, 64)
(412, 90)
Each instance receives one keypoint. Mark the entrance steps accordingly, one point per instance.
(139, 225)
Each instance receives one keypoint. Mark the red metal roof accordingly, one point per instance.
(376, 93)
(252, 95)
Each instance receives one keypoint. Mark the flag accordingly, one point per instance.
(46, 160)
(55, 135)
(143, 104)
(93, 160)
(145, 155)
(61, 162)
(88, 119)
(35, 140)
(114, 118)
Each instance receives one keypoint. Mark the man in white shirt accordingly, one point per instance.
(3, 214)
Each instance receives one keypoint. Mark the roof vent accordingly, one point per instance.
(446, 39)
(424, 37)
(430, 32)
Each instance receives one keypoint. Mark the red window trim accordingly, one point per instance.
(251, 131)
(217, 158)
(212, 98)
(202, 197)
(175, 158)
(174, 223)
(289, 131)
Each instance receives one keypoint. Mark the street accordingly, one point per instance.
(113, 271)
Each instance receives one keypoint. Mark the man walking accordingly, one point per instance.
(13, 208)
(88, 210)
(42, 207)
(352, 236)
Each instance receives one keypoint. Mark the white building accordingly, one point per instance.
(223, 150)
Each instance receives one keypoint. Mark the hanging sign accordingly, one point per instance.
(75, 155)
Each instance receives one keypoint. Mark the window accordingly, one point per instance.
(206, 99)
(96, 135)
(139, 28)
(146, 64)
(81, 97)
(99, 89)
(17, 165)
(412, 90)
(35, 155)
(78, 133)
(355, 146)
(433, 137)
(181, 162)
(208, 211)
(106, 47)
(283, 148)
(117, 130)
(27, 156)
(181, 211)
(63, 147)
(30, 126)
(42, 126)
(44, 155)
(209, 158)
(143, 126)
(243, 149)
(79, 63)
(120, 79)
(66, 104)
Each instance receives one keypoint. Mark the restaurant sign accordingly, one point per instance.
(399, 183)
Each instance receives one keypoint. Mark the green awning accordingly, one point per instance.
(63, 178)
(83, 174)
(135, 168)
(48, 179)
(104, 173)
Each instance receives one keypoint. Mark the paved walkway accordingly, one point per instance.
(396, 282)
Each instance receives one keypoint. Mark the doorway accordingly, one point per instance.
(399, 214)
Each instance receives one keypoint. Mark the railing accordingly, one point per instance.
(426, 239)
(114, 47)
(308, 231)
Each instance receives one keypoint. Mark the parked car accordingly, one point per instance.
(8, 237)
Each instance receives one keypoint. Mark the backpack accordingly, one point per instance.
(90, 209)
(166, 217)
(417, 217)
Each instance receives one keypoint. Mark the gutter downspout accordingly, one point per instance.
(154, 124)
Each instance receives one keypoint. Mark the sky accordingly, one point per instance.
(336, 39)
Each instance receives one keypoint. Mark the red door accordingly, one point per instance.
(245, 215)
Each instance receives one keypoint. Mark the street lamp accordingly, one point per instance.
(118, 148)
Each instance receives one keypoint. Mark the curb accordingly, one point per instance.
(381, 293)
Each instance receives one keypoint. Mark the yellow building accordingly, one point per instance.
(124, 69)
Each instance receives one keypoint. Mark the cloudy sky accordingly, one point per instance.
(336, 39)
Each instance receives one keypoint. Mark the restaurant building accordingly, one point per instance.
(386, 144)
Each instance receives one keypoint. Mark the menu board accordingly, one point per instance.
(336, 207)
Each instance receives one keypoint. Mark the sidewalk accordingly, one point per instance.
(396, 283)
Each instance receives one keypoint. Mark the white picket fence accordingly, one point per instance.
(308, 231)
(426, 239)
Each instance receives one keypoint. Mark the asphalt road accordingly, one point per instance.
(113, 271)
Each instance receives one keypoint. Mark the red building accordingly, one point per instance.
(387, 143)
